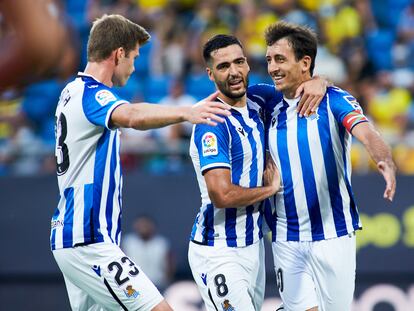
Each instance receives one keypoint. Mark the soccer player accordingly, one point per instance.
(86, 226)
(316, 215)
(226, 252)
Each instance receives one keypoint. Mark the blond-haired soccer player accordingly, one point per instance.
(86, 226)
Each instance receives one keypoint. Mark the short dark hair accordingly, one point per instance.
(303, 40)
(218, 42)
(111, 32)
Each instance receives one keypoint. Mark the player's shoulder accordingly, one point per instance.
(339, 93)
(342, 99)
(96, 91)
(261, 90)
(204, 128)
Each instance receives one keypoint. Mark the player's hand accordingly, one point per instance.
(271, 175)
(388, 171)
(312, 92)
(207, 110)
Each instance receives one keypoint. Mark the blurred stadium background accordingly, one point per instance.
(366, 47)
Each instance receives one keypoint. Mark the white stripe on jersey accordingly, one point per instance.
(322, 180)
(78, 216)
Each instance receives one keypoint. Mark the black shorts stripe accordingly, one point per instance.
(212, 301)
(114, 295)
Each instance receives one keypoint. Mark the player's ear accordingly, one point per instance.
(119, 54)
(210, 74)
(306, 63)
(248, 67)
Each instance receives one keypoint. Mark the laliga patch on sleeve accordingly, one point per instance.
(209, 143)
(104, 97)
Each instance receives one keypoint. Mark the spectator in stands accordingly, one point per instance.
(150, 251)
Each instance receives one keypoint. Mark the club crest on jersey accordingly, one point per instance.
(313, 116)
(103, 97)
(227, 306)
(130, 292)
(209, 143)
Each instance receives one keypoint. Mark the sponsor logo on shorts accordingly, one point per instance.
(227, 306)
(204, 278)
(130, 292)
(97, 269)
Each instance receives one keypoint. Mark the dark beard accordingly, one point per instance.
(223, 89)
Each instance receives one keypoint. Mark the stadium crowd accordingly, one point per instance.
(366, 47)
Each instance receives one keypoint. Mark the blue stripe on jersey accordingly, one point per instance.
(68, 219)
(231, 236)
(330, 169)
(309, 180)
(194, 228)
(288, 194)
(99, 170)
(249, 224)
(53, 237)
(87, 211)
(252, 177)
(354, 211)
(208, 235)
(111, 189)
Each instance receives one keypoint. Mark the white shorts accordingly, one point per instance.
(319, 273)
(229, 276)
(102, 275)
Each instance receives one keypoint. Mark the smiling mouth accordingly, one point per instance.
(277, 78)
(235, 83)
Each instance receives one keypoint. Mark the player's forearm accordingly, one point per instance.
(238, 196)
(376, 146)
(145, 116)
(378, 150)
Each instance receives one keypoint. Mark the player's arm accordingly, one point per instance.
(145, 116)
(224, 194)
(312, 92)
(380, 152)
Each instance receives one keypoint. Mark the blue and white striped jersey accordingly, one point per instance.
(237, 144)
(88, 166)
(313, 156)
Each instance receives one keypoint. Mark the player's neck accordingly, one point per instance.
(291, 92)
(234, 102)
(100, 71)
